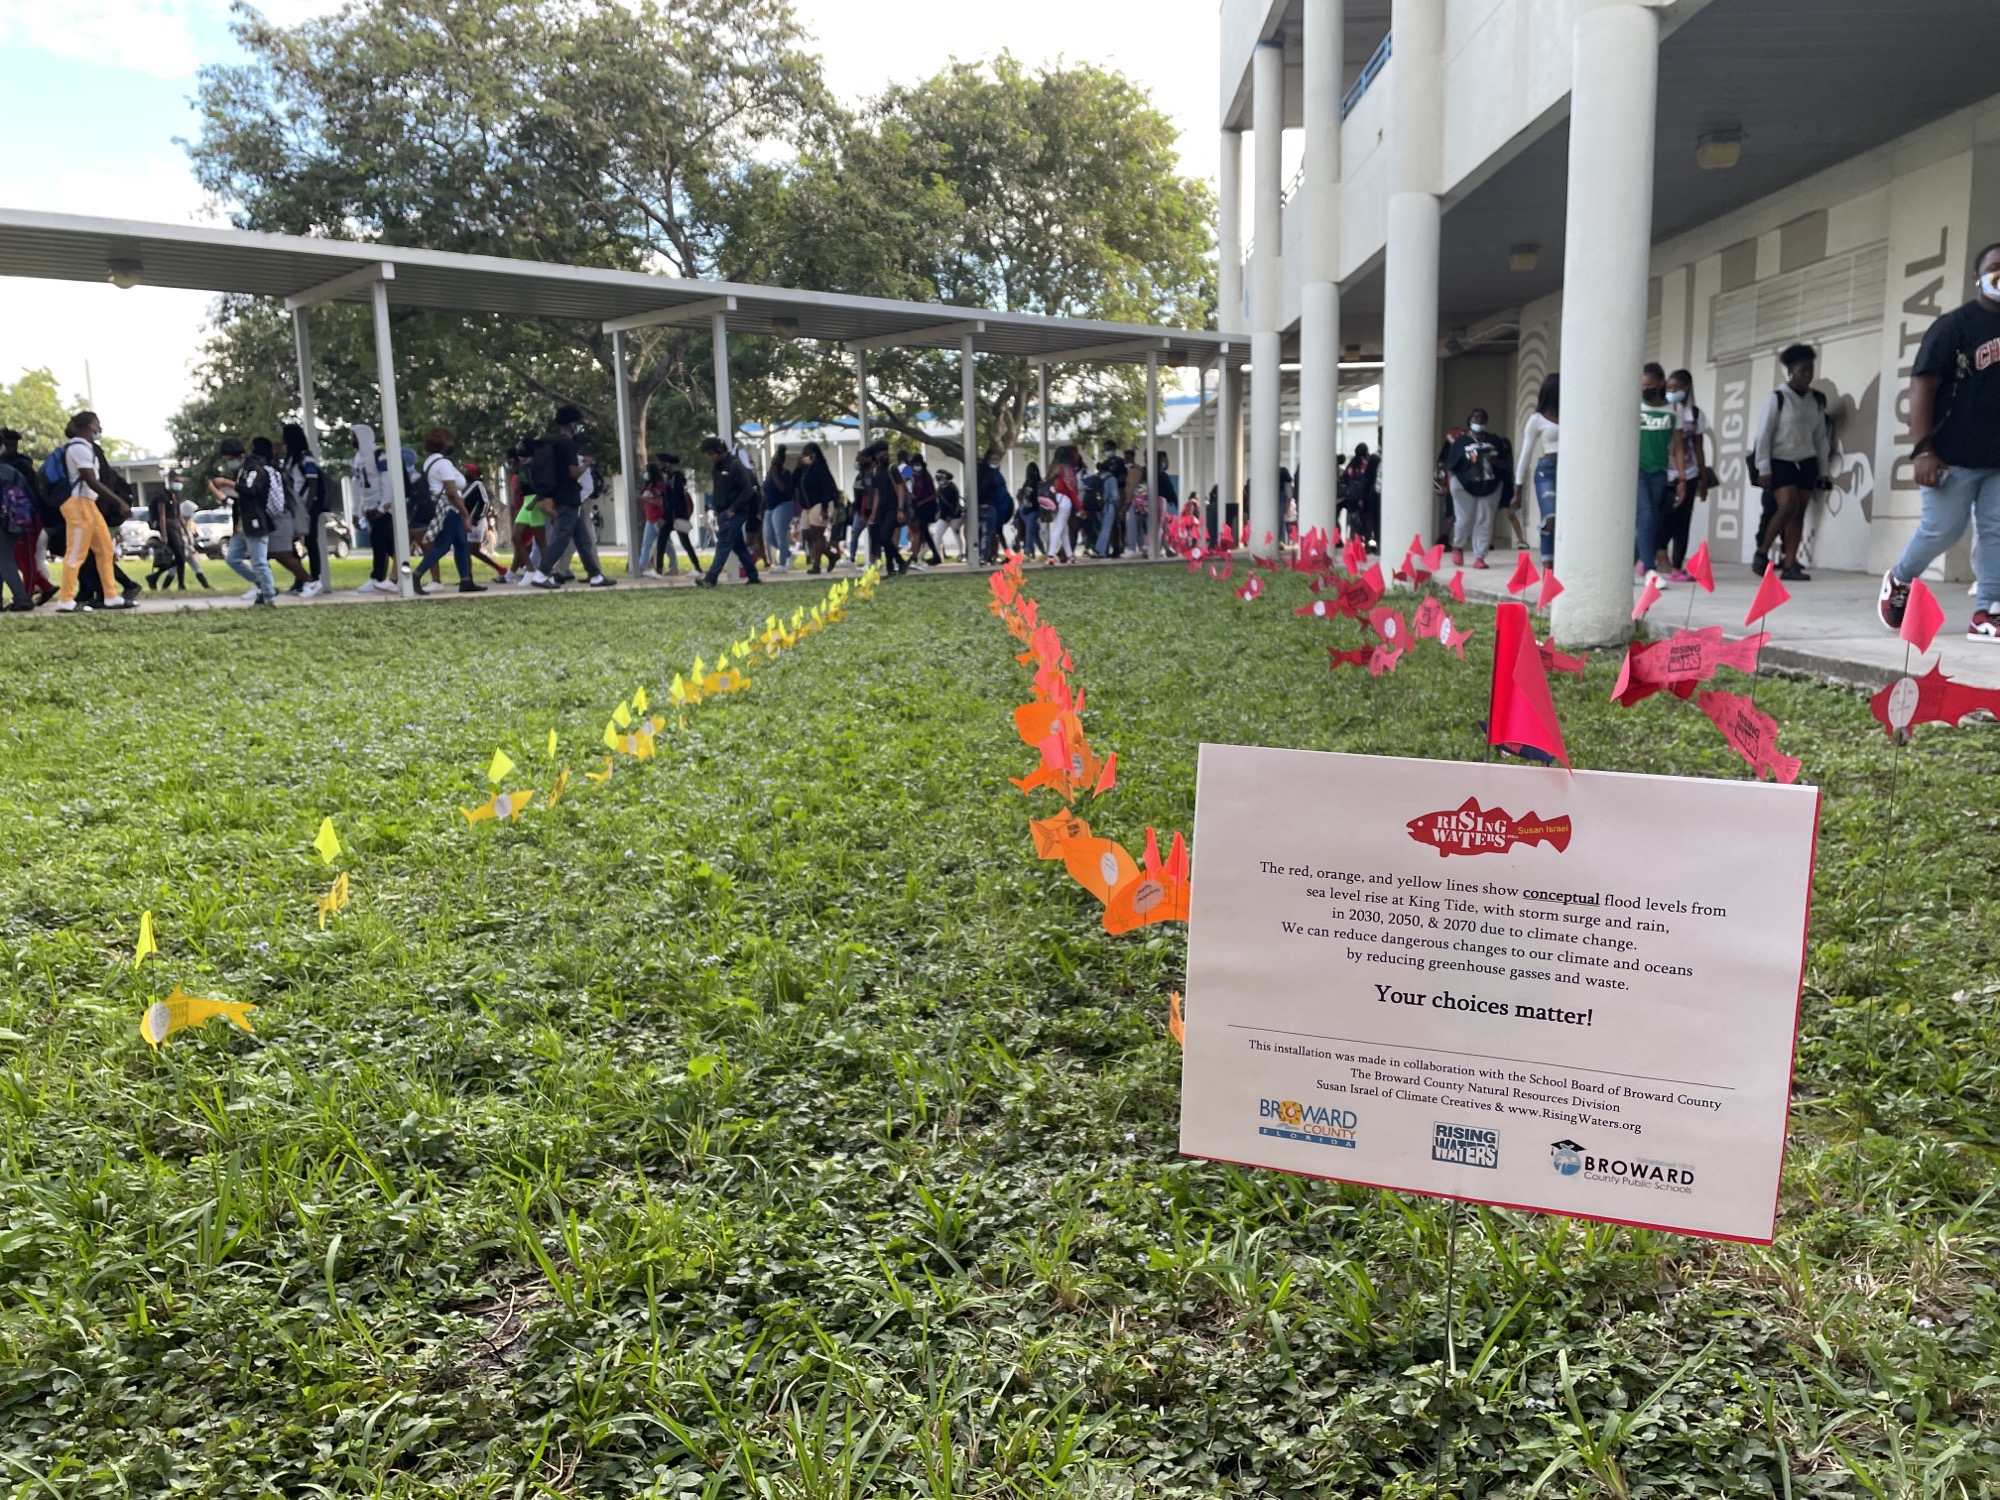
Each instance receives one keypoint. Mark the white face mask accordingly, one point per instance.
(1990, 285)
(1475, 426)
(1677, 397)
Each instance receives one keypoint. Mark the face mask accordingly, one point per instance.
(1990, 285)
(1475, 426)
(232, 465)
(1677, 397)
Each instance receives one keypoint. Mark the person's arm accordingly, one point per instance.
(1930, 468)
(1767, 432)
(90, 477)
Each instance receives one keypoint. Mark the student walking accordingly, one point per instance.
(780, 508)
(447, 486)
(17, 518)
(1473, 462)
(886, 509)
(819, 496)
(950, 516)
(27, 548)
(255, 497)
(1955, 423)
(1064, 484)
(1033, 493)
(1794, 455)
(735, 490)
(678, 506)
(923, 511)
(1688, 476)
(1535, 473)
(368, 472)
(86, 535)
(556, 476)
(1656, 425)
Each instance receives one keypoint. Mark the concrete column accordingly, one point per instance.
(1319, 290)
(308, 399)
(1266, 294)
(1606, 251)
(392, 436)
(1229, 238)
(1410, 274)
(968, 395)
(1151, 453)
(861, 401)
(1228, 442)
(1042, 408)
(628, 468)
(725, 418)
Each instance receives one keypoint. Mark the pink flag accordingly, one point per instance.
(1923, 617)
(1698, 565)
(1550, 588)
(1522, 712)
(1648, 597)
(1456, 588)
(1524, 577)
(1770, 594)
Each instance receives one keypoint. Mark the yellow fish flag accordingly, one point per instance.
(600, 777)
(179, 1011)
(639, 703)
(146, 944)
(504, 807)
(333, 900)
(502, 764)
(680, 693)
(556, 790)
(327, 842)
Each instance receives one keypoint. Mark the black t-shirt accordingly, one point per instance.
(882, 485)
(569, 492)
(1474, 461)
(1963, 350)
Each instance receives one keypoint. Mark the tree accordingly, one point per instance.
(33, 407)
(1054, 192)
(602, 133)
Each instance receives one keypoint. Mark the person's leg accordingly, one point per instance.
(1545, 499)
(382, 547)
(1482, 527)
(1645, 520)
(585, 536)
(728, 539)
(1946, 508)
(649, 543)
(1773, 542)
(10, 571)
(561, 535)
(1463, 510)
(1767, 510)
(1678, 529)
(1986, 537)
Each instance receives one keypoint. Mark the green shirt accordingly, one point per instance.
(1656, 431)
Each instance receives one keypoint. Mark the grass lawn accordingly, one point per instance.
(768, 1122)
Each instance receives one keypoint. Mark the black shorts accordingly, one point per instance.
(1803, 475)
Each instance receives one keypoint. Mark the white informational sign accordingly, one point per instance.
(1572, 993)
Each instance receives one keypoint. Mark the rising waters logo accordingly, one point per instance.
(1472, 829)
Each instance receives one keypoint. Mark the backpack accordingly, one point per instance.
(17, 501)
(55, 472)
(253, 501)
(542, 471)
(420, 505)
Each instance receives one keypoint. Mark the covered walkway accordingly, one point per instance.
(307, 273)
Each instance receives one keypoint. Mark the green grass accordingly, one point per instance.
(768, 1122)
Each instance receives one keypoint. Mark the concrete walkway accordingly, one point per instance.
(1829, 629)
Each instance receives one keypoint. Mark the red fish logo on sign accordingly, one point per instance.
(1472, 829)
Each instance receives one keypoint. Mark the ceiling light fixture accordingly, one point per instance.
(1718, 150)
(126, 274)
(1523, 257)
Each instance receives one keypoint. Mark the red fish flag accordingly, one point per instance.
(1752, 734)
(1648, 596)
(1551, 587)
(1923, 617)
(1930, 699)
(1700, 569)
(1456, 588)
(1525, 576)
(1522, 712)
(1770, 594)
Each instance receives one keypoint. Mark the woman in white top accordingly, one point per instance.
(447, 487)
(1537, 463)
(1687, 476)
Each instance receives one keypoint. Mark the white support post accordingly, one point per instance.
(861, 402)
(968, 395)
(725, 419)
(392, 436)
(1042, 410)
(1229, 312)
(628, 469)
(1606, 255)
(1410, 274)
(1266, 296)
(1318, 486)
(308, 401)
(1152, 455)
(1229, 449)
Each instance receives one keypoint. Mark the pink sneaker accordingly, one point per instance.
(1681, 575)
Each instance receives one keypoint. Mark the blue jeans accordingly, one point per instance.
(1967, 495)
(728, 539)
(450, 538)
(1031, 516)
(1652, 505)
(1545, 499)
(1108, 526)
(778, 533)
(649, 547)
(257, 571)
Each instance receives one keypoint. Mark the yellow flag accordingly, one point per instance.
(504, 807)
(697, 673)
(611, 734)
(146, 943)
(179, 1011)
(639, 704)
(502, 764)
(600, 777)
(328, 842)
(560, 786)
(552, 744)
(622, 716)
(334, 899)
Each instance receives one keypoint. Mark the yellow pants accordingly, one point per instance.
(86, 535)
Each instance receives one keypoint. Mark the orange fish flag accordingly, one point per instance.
(1109, 778)
(1033, 721)
(1525, 576)
(1923, 617)
(1701, 568)
(1770, 594)
(1051, 834)
(1648, 597)
(1522, 712)
(1099, 865)
(1176, 1027)
(1158, 893)
(1551, 587)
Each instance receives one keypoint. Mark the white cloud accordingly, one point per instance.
(145, 36)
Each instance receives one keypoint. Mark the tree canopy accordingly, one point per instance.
(34, 407)
(694, 138)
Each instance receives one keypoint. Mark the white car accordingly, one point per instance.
(211, 531)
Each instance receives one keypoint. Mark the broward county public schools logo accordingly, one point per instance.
(1570, 1159)
(1472, 829)
(1290, 1120)
(1566, 1157)
(1465, 1145)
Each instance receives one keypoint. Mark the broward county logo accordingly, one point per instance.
(1472, 829)
(1317, 1124)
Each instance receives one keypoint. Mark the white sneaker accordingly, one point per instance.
(312, 590)
(1653, 577)
(65, 606)
(537, 578)
(119, 603)
(513, 575)
(649, 573)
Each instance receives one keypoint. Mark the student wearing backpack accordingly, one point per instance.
(1795, 453)
(369, 474)
(735, 509)
(821, 497)
(85, 533)
(555, 473)
(950, 516)
(780, 506)
(17, 518)
(305, 497)
(23, 526)
(446, 487)
(923, 511)
(255, 496)
(1474, 463)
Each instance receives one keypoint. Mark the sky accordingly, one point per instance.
(109, 147)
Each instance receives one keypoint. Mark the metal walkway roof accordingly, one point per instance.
(70, 247)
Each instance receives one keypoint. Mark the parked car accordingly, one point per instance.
(211, 531)
(135, 538)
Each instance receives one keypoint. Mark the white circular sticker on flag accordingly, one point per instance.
(158, 1019)
(1903, 703)
(1107, 866)
(503, 805)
